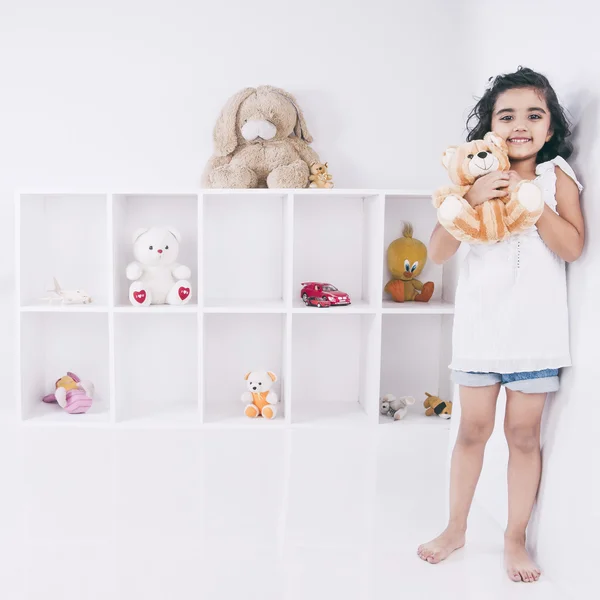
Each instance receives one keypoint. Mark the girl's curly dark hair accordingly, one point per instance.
(558, 145)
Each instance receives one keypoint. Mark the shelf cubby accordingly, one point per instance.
(62, 236)
(415, 355)
(52, 344)
(334, 369)
(235, 344)
(243, 251)
(131, 212)
(156, 367)
(336, 239)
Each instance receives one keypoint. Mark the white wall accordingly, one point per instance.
(560, 42)
(125, 93)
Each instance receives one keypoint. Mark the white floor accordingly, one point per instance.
(234, 514)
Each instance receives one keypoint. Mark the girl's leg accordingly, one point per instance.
(478, 409)
(522, 429)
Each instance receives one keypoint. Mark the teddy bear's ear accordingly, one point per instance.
(493, 139)
(138, 232)
(225, 132)
(448, 156)
(247, 375)
(272, 376)
(175, 233)
(300, 129)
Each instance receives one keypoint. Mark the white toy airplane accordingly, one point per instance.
(68, 296)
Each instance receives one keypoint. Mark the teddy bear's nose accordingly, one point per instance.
(160, 251)
(482, 154)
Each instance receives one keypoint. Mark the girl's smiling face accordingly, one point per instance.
(522, 118)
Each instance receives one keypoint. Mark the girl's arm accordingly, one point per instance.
(563, 233)
(442, 245)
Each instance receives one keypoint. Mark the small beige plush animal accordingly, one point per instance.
(394, 407)
(260, 140)
(319, 177)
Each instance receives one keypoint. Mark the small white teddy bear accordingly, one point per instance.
(394, 407)
(157, 278)
(259, 399)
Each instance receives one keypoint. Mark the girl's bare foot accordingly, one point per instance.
(442, 546)
(519, 565)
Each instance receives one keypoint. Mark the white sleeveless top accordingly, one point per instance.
(511, 310)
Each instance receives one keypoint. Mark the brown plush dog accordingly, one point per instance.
(436, 406)
(496, 219)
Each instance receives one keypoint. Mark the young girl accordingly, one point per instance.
(511, 321)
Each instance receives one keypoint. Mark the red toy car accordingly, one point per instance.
(324, 291)
(318, 302)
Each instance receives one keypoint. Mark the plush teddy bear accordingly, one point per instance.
(260, 140)
(406, 258)
(260, 399)
(72, 394)
(319, 176)
(435, 406)
(394, 407)
(496, 219)
(157, 278)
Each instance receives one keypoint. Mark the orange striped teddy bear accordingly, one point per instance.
(260, 400)
(494, 220)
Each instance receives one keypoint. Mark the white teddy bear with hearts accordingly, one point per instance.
(157, 278)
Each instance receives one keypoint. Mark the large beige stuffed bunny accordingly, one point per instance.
(261, 140)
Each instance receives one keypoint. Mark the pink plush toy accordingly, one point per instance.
(72, 394)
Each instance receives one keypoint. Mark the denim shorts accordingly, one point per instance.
(530, 382)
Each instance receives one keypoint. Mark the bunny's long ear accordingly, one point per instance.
(300, 129)
(225, 134)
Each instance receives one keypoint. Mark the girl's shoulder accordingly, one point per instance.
(548, 170)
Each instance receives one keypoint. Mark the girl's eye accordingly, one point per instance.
(469, 156)
(535, 117)
(506, 118)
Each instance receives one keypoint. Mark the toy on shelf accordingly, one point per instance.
(436, 406)
(72, 394)
(324, 291)
(68, 296)
(157, 278)
(260, 400)
(493, 220)
(406, 258)
(319, 177)
(318, 302)
(396, 408)
(260, 140)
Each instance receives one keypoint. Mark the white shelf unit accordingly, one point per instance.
(249, 252)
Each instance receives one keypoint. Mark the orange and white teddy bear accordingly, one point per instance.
(260, 400)
(496, 219)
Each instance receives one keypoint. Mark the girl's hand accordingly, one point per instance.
(513, 180)
(490, 186)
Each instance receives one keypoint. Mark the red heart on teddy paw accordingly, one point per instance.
(140, 296)
(184, 292)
